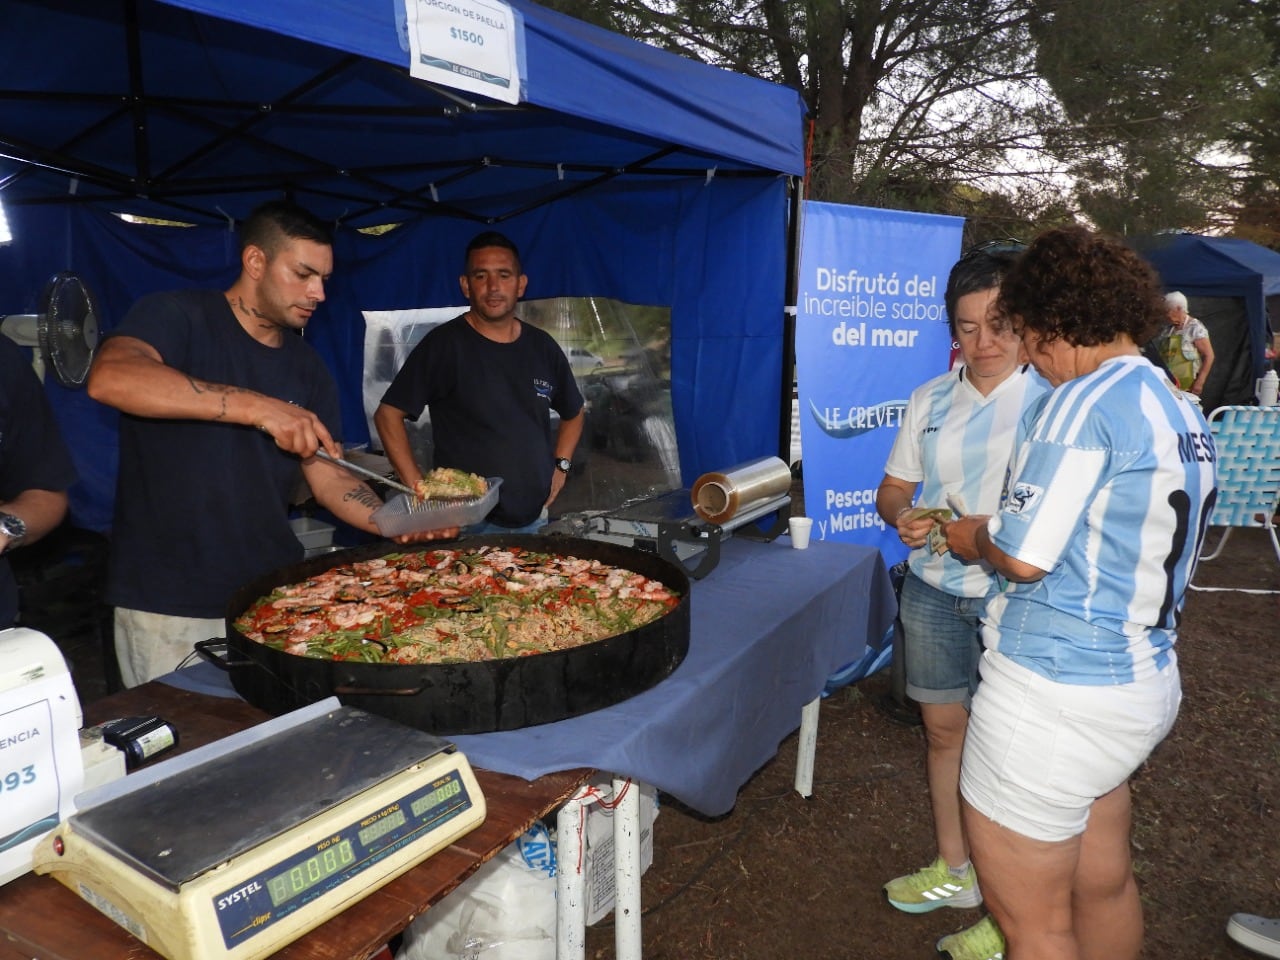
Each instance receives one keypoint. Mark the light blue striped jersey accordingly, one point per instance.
(953, 440)
(1110, 493)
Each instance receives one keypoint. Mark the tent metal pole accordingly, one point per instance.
(789, 320)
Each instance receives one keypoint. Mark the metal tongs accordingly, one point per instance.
(366, 472)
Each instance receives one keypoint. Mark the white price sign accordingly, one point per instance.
(466, 44)
(40, 766)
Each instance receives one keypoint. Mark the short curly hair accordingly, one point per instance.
(1082, 287)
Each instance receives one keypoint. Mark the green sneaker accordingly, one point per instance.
(933, 887)
(982, 941)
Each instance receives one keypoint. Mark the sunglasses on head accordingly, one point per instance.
(1003, 245)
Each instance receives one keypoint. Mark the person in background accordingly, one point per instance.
(1259, 934)
(1185, 345)
(1110, 490)
(490, 381)
(956, 441)
(1151, 350)
(223, 402)
(35, 467)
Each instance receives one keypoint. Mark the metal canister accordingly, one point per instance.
(140, 738)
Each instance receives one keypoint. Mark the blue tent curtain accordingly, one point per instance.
(628, 173)
(713, 252)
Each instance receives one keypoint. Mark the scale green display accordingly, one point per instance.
(236, 849)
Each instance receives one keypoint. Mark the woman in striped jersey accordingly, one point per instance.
(954, 446)
(1112, 482)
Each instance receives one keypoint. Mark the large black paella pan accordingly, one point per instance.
(474, 697)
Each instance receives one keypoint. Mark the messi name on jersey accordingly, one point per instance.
(1196, 446)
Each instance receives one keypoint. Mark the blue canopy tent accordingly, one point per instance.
(624, 172)
(1227, 282)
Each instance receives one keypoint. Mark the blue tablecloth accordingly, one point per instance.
(769, 625)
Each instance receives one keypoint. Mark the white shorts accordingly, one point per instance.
(1038, 753)
(149, 645)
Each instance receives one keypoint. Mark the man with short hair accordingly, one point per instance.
(223, 402)
(491, 382)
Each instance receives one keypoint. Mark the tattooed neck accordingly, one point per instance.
(239, 306)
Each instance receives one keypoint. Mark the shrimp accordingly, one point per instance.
(304, 588)
(417, 576)
(352, 615)
(374, 569)
(500, 559)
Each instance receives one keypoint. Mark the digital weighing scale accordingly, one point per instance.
(234, 850)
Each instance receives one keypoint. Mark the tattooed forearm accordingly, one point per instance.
(364, 496)
(202, 386)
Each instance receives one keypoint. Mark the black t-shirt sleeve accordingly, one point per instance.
(33, 455)
(567, 399)
(431, 370)
(163, 321)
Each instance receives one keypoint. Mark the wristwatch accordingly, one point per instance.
(13, 527)
(564, 464)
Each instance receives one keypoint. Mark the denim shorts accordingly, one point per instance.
(943, 642)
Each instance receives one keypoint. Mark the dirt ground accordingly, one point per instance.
(781, 876)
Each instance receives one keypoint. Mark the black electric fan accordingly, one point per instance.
(64, 333)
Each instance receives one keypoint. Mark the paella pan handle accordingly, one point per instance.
(208, 651)
(349, 691)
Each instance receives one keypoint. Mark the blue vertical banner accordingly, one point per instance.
(871, 326)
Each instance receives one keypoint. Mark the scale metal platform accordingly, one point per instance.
(234, 850)
(668, 525)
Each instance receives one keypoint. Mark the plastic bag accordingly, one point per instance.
(506, 910)
(598, 853)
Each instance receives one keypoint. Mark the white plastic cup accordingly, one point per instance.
(800, 528)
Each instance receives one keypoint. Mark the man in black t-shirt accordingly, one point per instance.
(35, 467)
(222, 403)
(491, 382)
